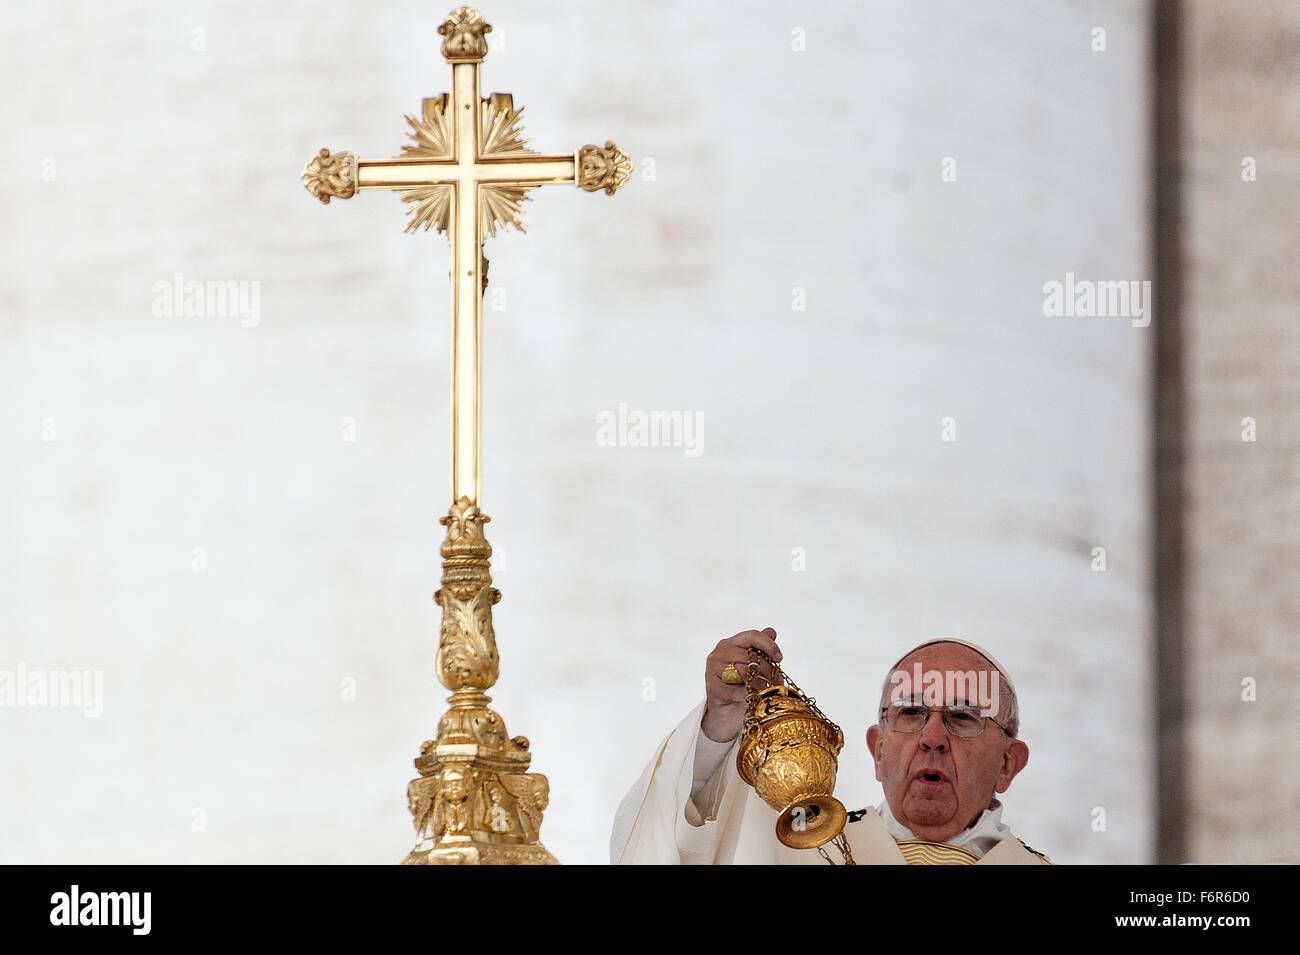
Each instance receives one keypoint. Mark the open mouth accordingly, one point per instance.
(931, 776)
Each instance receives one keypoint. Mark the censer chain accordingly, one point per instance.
(751, 671)
(841, 843)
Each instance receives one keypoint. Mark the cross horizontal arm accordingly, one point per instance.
(339, 175)
(405, 172)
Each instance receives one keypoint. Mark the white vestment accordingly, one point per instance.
(727, 823)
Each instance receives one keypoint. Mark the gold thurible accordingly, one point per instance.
(789, 753)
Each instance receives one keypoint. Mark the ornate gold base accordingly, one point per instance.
(474, 803)
(482, 853)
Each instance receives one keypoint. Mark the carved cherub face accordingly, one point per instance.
(464, 523)
(455, 785)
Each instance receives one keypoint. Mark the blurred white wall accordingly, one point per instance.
(768, 175)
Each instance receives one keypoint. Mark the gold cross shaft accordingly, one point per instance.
(465, 173)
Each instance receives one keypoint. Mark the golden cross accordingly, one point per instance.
(465, 173)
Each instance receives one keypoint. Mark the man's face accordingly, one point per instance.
(937, 784)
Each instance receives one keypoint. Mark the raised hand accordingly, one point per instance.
(724, 710)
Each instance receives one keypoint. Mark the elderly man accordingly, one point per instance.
(945, 745)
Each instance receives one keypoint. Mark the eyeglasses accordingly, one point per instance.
(961, 721)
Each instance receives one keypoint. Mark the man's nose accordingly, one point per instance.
(934, 735)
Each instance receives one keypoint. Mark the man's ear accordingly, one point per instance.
(874, 741)
(1013, 761)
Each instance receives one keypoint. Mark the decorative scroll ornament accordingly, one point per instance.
(607, 168)
(467, 647)
(463, 33)
(330, 176)
(788, 753)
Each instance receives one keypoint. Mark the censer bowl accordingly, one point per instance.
(789, 755)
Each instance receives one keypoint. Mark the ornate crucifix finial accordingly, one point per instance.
(464, 30)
